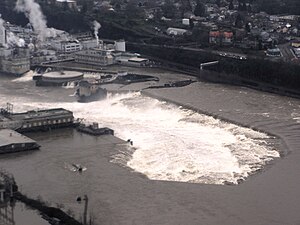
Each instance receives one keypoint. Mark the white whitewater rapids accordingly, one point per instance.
(174, 144)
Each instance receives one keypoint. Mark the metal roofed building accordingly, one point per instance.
(176, 31)
(70, 3)
(132, 61)
(96, 56)
(273, 52)
(41, 119)
(12, 141)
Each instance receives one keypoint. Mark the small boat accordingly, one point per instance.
(79, 167)
(75, 167)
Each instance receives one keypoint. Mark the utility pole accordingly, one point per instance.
(86, 200)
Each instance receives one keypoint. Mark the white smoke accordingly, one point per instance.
(13, 40)
(33, 12)
(97, 26)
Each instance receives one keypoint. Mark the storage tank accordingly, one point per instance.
(120, 46)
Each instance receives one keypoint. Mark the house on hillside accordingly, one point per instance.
(221, 37)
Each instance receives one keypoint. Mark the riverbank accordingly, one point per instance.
(52, 214)
(203, 75)
(278, 74)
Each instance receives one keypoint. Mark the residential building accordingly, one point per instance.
(221, 37)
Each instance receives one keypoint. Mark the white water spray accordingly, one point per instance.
(170, 143)
(13, 40)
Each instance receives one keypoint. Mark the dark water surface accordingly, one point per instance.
(120, 196)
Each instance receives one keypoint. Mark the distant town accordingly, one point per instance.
(228, 28)
(132, 103)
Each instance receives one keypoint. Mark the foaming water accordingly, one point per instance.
(25, 78)
(174, 144)
(70, 85)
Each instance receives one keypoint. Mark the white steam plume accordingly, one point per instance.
(33, 12)
(97, 26)
(13, 40)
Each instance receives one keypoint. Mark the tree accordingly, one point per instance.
(199, 9)
(271, 7)
(132, 9)
(238, 21)
(231, 7)
(169, 9)
(192, 24)
(247, 27)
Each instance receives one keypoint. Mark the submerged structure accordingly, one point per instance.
(95, 130)
(88, 91)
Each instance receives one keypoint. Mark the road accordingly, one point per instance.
(287, 53)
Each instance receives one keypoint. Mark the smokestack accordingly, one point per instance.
(2, 33)
(97, 26)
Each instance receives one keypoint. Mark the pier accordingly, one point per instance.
(35, 120)
(13, 124)
(12, 141)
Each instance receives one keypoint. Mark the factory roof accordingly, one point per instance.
(50, 113)
(69, 1)
(8, 137)
(136, 59)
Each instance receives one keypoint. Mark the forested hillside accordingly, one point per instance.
(279, 6)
